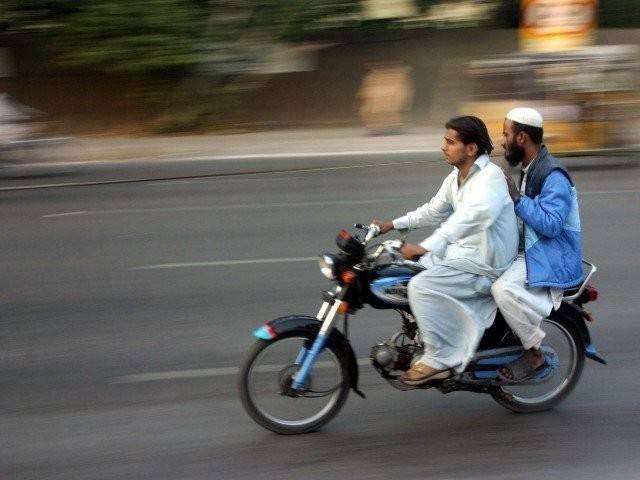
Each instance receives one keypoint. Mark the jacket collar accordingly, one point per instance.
(542, 153)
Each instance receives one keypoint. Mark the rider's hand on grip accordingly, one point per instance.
(374, 231)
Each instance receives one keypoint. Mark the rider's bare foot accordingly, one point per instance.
(534, 357)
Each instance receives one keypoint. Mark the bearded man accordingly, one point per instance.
(550, 249)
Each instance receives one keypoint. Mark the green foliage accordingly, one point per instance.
(212, 36)
(137, 36)
(117, 35)
(619, 13)
(153, 35)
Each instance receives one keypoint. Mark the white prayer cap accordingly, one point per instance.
(525, 116)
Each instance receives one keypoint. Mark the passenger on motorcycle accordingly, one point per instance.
(475, 242)
(550, 251)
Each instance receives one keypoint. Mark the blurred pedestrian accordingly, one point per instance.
(550, 249)
(384, 97)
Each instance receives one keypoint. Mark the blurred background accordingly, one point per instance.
(171, 169)
(147, 67)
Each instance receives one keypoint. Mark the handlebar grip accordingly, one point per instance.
(373, 231)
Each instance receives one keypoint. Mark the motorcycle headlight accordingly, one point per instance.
(327, 264)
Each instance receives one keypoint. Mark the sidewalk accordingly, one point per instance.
(272, 143)
(90, 161)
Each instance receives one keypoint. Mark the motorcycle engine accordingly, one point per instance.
(384, 355)
(387, 357)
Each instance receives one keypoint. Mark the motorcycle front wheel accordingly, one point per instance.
(265, 384)
(563, 339)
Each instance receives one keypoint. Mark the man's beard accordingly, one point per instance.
(514, 155)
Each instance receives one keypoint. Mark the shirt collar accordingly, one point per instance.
(482, 161)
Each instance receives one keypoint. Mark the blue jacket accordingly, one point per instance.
(552, 236)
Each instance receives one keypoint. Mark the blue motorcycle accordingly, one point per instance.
(301, 369)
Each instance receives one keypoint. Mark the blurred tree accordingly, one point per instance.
(619, 14)
(209, 45)
(153, 35)
(214, 36)
(508, 14)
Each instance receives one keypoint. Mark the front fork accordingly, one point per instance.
(307, 358)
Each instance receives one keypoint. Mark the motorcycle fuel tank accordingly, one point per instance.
(392, 290)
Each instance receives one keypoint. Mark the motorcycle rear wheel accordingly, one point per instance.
(564, 338)
(265, 392)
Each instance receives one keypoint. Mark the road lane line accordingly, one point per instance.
(66, 214)
(273, 205)
(224, 263)
(210, 372)
(346, 153)
(608, 192)
(226, 207)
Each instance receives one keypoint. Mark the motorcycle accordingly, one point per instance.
(300, 370)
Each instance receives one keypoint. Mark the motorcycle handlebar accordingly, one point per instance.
(390, 246)
(372, 231)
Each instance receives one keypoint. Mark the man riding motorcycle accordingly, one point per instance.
(475, 242)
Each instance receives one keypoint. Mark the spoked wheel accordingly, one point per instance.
(267, 375)
(564, 347)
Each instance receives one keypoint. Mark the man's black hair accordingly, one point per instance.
(535, 133)
(472, 130)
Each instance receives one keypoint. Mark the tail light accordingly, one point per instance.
(589, 294)
(592, 292)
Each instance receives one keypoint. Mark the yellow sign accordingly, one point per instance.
(557, 25)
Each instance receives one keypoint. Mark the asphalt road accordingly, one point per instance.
(126, 308)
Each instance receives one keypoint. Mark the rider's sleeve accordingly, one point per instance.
(433, 212)
(547, 212)
(480, 207)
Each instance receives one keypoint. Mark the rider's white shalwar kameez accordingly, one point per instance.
(476, 241)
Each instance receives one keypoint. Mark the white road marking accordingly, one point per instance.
(205, 208)
(608, 192)
(224, 263)
(260, 156)
(66, 214)
(210, 372)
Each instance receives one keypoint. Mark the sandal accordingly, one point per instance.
(420, 374)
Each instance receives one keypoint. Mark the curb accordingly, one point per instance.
(87, 173)
(40, 175)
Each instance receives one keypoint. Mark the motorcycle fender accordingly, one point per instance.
(577, 317)
(275, 328)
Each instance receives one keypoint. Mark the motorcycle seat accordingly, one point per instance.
(571, 291)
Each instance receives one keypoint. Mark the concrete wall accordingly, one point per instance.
(438, 60)
(103, 104)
